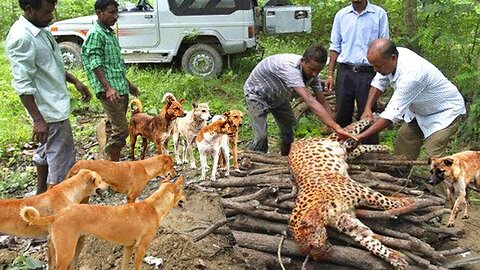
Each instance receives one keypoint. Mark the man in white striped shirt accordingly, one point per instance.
(423, 97)
(270, 87)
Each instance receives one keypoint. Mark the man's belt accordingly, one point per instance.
(357, 68)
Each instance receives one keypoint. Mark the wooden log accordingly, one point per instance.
(212, 228)
(249, 209)
(265, 169)
(257, 181)
(336, 254)
(261, 260)
(264, 158)
(259, 195)
(251, 224)
(389, 162)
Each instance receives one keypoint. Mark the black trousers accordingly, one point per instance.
(352, 86)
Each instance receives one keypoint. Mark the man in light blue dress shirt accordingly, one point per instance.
(354, 27)
(39, 78)
(429, 104)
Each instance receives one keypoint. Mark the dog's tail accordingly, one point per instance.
(136, 103)
(31, 215)
(168, 96)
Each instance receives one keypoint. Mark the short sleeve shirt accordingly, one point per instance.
(272, 80)
(101, 49)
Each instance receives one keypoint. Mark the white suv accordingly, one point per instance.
(204, 33)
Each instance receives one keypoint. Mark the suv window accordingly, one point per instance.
(208, 7)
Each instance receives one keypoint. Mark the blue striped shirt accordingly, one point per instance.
(352, 33)
(271, 81)
(421, 91)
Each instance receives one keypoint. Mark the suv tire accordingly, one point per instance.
(202, 60)
(71, 54)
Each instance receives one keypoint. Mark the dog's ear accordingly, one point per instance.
(180, 100)
(179, 182)
(430, 160)
(448, 162)
(194, 105)
(226, 114)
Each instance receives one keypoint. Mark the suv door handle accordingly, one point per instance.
(150, 16)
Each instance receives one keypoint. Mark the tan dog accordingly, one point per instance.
(235, 118)
(71, 191)
(153, 128)
(187, 128)
(133, 225)
(210, 141)
(128, 177)
(458, 171)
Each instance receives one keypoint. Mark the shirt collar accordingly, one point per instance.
(32, 28)
(104, 27)
(369, 8)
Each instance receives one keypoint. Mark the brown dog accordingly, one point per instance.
(153, 128)
(133, 225)
(128, 177)
(71, 191)
(458, 171)
(235, 119)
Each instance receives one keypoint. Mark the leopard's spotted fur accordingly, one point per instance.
(328, 197)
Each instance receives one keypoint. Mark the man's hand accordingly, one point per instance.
(112, 95)
(329, 84)
(40, 131)
(367, 114)
(83, 89)
(343, 134)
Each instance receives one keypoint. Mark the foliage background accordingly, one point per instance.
(446, 32)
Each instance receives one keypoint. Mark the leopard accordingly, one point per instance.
(328, 196)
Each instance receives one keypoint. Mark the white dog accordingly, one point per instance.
(210, 141)
(187, 128)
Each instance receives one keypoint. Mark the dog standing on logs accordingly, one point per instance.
(132, 225)
(153, 128)
(187, 128)
(458, 170)
(128, 177)
(235, 119)
(210, 142)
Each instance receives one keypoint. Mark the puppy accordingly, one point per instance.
(235, 119)
(133, 225)
(211, 142)
(128, 177)
(153, 128)
(458, 171)
(71, 191)
(187, 128)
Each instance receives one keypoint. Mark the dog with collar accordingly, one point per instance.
(457, 171)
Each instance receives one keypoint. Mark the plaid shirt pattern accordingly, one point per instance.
(101, 49)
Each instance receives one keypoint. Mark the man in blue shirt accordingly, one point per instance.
(354, 27)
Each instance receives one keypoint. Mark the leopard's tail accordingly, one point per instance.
(31, 215)
(136, 103)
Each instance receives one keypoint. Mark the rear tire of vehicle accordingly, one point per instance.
(71, 54)
(202, 60)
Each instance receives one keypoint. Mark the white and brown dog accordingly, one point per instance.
(210, 142)
(186, 129)
(235, 119)
(458, 171)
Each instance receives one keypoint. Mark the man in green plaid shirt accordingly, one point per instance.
(106, 72)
